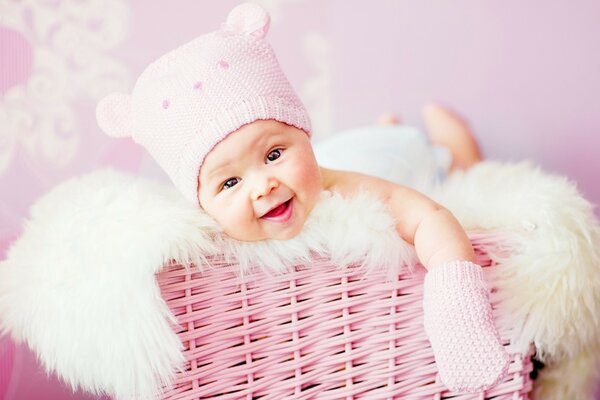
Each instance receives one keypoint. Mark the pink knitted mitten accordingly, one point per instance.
(458, 321)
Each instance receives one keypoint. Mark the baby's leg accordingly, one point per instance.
(445, 128)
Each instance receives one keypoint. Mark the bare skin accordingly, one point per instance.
(436, 234)
(448, 129)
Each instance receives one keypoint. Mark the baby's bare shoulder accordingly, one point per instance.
(349, 183)
(343, 182)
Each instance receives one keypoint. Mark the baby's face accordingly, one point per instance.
(261, 182)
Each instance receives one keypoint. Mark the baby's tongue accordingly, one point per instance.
(276, 211)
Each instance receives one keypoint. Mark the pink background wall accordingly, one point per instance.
(526, 74)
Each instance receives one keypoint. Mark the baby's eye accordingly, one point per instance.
(274, 155)
(229, 183)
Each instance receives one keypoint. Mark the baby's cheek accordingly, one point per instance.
(305, 167)
(213, 209)
(309, 180)
(236, 220)
(216, 216)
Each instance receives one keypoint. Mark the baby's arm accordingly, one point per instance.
(437, 236)
(457, 313)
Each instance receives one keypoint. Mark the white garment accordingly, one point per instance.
(397, 153)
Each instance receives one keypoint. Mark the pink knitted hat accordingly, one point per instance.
(191, 98)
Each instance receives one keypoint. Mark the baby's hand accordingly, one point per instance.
(458, 321)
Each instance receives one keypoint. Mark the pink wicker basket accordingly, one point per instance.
(319, 332)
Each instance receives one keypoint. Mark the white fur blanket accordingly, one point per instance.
(79, 285)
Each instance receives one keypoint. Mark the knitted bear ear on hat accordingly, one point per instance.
(113, 114)
(248, 18)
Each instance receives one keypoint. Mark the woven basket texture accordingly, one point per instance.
(318, 332)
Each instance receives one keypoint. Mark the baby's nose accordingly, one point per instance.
(263, 187)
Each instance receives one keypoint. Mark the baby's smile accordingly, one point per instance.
(281, 213)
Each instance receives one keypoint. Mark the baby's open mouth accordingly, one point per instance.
(281, 213)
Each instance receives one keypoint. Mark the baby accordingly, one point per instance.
(220, 117)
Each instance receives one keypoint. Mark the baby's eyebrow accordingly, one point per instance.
(216, 172)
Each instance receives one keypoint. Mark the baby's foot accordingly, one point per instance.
(458, 321)
(447, 129)
(388, 118)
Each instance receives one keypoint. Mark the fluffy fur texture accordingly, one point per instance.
(550, 281)
(79, 285)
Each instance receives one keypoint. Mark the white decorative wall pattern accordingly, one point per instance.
(55, 53)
